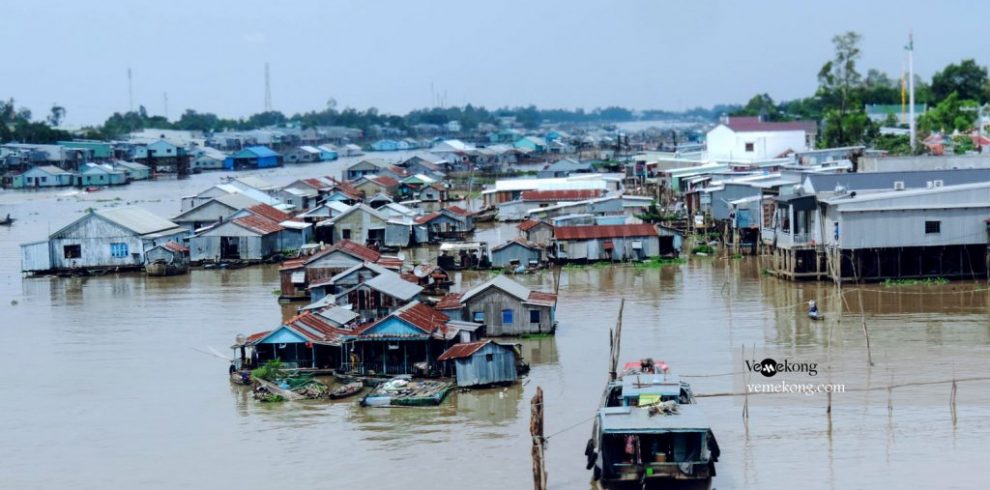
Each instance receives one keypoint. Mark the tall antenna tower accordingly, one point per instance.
(165, 100)
(130, 91)
(268, 90)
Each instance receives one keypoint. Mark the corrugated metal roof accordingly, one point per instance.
(138, 220)
(603, 231)
(541, 298)
(353, 249)
(259, 224)
(516, 241)
(561, 195)
(462, 351)
(337, 315)
(451, 301)
(269, 212)
(500, 282)
(394, 285)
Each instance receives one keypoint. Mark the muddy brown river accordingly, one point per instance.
(109, 381)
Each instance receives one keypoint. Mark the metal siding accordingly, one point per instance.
(907, 228)
(36, 257)
(502, 257)
(492, 302)
(476, 370)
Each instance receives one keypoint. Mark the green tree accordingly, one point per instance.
(56, 115)
(761, 105)
(840, 85)
(967, 79)
(962, 143)
(951, 114)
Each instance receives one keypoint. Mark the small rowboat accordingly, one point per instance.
(816, 316)
(350, 389)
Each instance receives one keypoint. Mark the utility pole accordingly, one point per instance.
(268, 90)
(911, 122)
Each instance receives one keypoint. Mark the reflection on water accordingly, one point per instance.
(107, 377)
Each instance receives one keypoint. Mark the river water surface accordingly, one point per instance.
(108, 381)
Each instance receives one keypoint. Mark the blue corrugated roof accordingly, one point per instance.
(261, 151)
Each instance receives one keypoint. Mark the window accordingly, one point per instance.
(506, 317)
(489, 357)
(44, 179)
(750, 147)
(118, 250)
(534, 316)
(345, 234)
(932, 227)
(72, 251)
(478, 317)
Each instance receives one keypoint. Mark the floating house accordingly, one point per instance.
(297, 274)
(247, 238)
(506, 307)
(364, 167)
(214, 210)
(360, 223)
(378, 296)
(607, 242)
(134, 170)
(110, 238)
(482, 363)
(253, 157)
(516, 252)
(536, 231)
(94, 174)
(532, 199)
(207, 158)
(449, 223)
(374, 184)
(303, 154)
(43, 176)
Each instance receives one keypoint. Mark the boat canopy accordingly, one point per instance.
(635, 420)
(636, 385)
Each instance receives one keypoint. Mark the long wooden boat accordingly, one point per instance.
(163, 268)
(650, 431)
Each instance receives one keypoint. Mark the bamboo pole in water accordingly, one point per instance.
(539, 443)
(613, 368)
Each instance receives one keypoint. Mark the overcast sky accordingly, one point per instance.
(209, 54)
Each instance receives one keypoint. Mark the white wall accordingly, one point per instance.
(726, 144)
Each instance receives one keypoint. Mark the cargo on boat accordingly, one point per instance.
(403, 391)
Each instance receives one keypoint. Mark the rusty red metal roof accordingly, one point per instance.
(561, 195)
(461, 351)
(175, 247)
(754, 124)
(457, 210)
(292, 264)
(270, 213)
(353, 249)
(593, 232)
(426, 218)
(317, 184)
(541, 298)
(385, 180)
(530, 224)
(451, 301)
(259, 224)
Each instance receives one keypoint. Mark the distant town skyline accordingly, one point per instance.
(399, 55)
